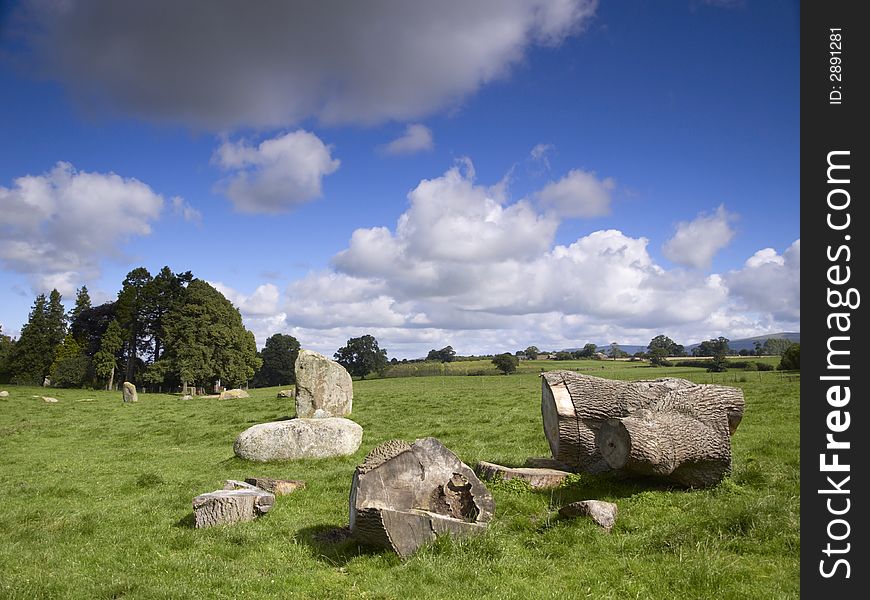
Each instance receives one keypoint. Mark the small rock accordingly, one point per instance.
(49, 400)
(287, 394)
(225, 507)
(4, 394)
(537, 478)
(130, 394)
(85, 400)
(603, 513)
(234, 394)
(299, 438)
(187, 397)
(279, 487)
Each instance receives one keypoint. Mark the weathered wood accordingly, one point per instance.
(228, 506)
(537, 478)
(406, 495)
(603, 513)
(279, 487)
(574, 407)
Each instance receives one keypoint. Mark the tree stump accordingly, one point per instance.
(666, 427)
(228, 506)
(404, 496)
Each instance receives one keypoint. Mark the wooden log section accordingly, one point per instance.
(574, 407)
(405, 495)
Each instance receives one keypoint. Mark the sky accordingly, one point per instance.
(486, 175)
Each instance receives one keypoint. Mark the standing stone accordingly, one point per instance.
(321, 383)
(130, 394)
(46, 382)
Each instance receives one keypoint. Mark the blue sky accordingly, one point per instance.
(487, 176)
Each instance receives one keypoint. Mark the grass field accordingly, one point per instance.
(95, 501)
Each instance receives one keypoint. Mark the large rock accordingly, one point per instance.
(536, 477)
(404, 496)
(130, 394)
(228, 506)
(299, 438)
(234, 394)
(49, 400)
(4, 394)
(321, 383)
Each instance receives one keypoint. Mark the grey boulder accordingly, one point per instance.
(321, 383)
(299, 438)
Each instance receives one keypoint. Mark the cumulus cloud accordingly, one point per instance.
(58, 226)
(580, 194)
(262, 302)
(770, 283)
(182, 208)
(416, 138)
(278, 174)
(222, 65)
(696, 242)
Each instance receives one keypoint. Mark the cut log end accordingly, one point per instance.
(614, 442)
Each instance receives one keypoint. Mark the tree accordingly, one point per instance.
(362, 356)
(588, 351)
(446, 354)
(132, 308)
(279, 360)
(791, 359)
(55, 321)
(33, 353)
(7, 345)
(506, 363)
(163, 293)
(712, 346)
(83, 303)
(563, 355)
(106, 358)
(776, 346)
(718, 349)
(70, 366)
(206, 340)
(616, 352)
(532, 352)
(660, 347)
(90, 325)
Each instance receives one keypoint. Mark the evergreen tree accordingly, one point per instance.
(132, 307)
(33, 353)
(83, 303)
(362, 356)
(70, 366)
(164, 293)
(56, 321)
(206, 340)
(7, 345)
(106, 358)
(279, 361)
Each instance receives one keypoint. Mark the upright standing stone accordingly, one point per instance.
(321, 384)
(130, 394)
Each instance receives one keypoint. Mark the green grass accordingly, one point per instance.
(95, 501)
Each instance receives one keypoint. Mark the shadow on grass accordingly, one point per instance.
(188, 521)
(334, 545)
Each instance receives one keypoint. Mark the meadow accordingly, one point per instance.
(95, 500)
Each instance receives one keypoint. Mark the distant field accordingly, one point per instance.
(95, 500)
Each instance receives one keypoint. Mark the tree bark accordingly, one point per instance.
(404, 496)
(667, 415)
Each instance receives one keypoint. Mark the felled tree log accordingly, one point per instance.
(231, 505)
(404, 496)
(575, 406)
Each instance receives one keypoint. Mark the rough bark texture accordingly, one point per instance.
(537, 478)
(406, 495)
(678, 429)
(279, 487)
(228, 506)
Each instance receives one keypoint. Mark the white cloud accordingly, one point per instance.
(580, 194)
(416, 138)
(263, 302)
(539, 154)
(696, 242)
(220, 65)
(770, 283)
(278, 174)
(181, 207)
(58, 226)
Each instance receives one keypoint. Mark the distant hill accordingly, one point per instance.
(735, 345)
(749, 343)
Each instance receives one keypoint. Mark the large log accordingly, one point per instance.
(405, 495)
(687, 426)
